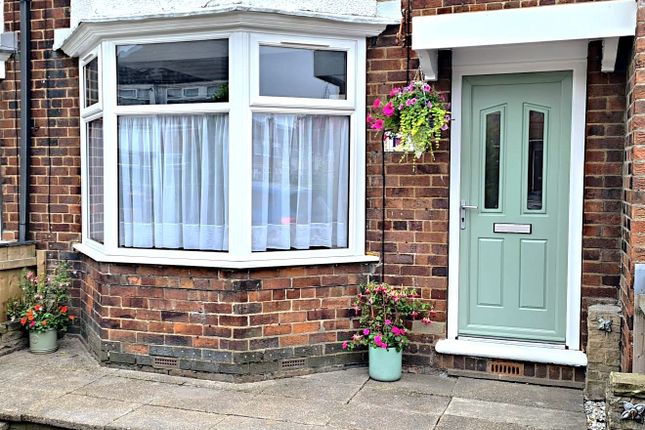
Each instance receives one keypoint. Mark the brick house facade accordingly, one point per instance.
(246, 322)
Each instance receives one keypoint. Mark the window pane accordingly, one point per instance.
(297, 72)
(493, 138)
(171, 73)
(536, 160)
(91, 71)
(300, 181)
(173, 182)
(95, 178)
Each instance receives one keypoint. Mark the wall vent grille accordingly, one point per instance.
(293, 363)
(506, 368)
(165, 363)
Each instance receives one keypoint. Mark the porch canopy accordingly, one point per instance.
(605, 20)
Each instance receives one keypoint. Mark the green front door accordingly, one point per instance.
(515, 206)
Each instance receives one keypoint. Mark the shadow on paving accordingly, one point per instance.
(68, 389)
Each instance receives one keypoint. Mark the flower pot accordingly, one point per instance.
(385, 364)
(43, 343)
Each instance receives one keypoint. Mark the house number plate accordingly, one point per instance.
(512, 228)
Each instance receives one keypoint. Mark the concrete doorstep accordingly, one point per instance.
(68, 389)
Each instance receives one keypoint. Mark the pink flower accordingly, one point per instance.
(384, 345)
(426, 321)
(33, 323)
(447, 117)
(411, 101)
(401, 106)
(378, 124)
(426, 88)
(430, 104)
(377, 103)
(395, 91)
(388, 110)
(345, 345)
(398, 331)
(366, 332)
(444, 127)
(378, 339)
(388, 322)
(370, 118)
(414, 314)
(442, 97)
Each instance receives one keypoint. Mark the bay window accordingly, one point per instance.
(232, 150)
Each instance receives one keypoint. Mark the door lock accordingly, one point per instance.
(462, 213)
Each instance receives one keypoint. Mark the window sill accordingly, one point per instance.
(101, 257)
(512, 351)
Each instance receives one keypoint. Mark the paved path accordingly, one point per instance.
(69, 389)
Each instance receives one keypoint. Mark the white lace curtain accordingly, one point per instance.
(173, 181)
(300, 181)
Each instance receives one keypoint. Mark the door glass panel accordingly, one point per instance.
(536, 160)
(491, 174)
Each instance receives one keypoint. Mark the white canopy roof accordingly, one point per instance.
(606, 20)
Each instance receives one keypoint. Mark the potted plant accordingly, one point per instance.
(413, 116)
(384, 312)
(43, 309)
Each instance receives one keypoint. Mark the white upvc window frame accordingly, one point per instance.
(244, 102)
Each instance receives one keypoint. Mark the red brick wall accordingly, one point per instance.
(633, 212)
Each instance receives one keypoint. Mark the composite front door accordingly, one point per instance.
(514, 206)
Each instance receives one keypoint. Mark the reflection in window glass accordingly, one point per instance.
(91, 71)
(491, 174)
(536, 160)
(300, 181)
(95, 179)
(307, 73)
(171, 73)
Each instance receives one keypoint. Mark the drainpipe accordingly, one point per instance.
(25, 118)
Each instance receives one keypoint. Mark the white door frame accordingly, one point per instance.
(520, 58)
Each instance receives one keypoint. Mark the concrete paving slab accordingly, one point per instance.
(79, 412)
(160, 418)
(248, 387)
(203, 399)
(312, 389)
(352, 376)
(148, 376)
(439, 385)
(360, 417)
(16, 400)
(299, 411)
(114, 387)
(519, 394)
(538, 418)
(452, 422)
(401, 401)
(245, 423)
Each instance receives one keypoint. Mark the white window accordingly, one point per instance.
(233, 150)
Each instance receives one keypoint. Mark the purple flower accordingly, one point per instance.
(430, 104)
(401, 106)
(447, 117)
(388, 322)
(366, 332)
(426, 88)
(444, 127)
(411, 101)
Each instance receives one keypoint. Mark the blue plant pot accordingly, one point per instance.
(385, 364)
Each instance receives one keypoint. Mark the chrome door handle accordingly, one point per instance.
(462, 213)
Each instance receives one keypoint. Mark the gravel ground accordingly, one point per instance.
(596, 418)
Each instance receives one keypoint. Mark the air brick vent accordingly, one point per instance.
(165, 363)
(293, 363)
(505, 368)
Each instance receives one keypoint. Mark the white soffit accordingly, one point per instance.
(606, 20)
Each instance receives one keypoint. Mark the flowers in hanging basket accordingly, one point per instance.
(44, 303)
(414, 116)
(383, 312)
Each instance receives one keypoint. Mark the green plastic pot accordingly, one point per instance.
(43, 343)
(385, 364)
